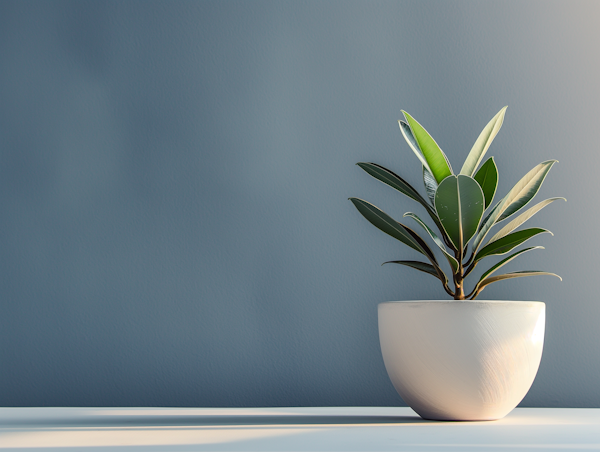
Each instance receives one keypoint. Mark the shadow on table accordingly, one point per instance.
(214, 420)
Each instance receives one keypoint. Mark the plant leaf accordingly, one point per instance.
(516, 198)
(387, 224)
(459, 205)
(506, 260)
(508, 242)
(487, 177)
(525, 189)
(436, 159)
(514, 224)
(521, 274)
(422, 266)
(447, 162)
(430, 185)
(393, 180)
(412, 142)
(451, 260)
(486, 225)
(482, 144)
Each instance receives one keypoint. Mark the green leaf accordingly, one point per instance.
(393, 180)
(412, 142)
(422, 266)
(451, 260)
(459, 205)
(506, 261)
(486, 225)
(525, 189)
(483, 143)
(516, 198)
(514, 224)
(508, 242)
(436, 159)
(387, 224)
(430, 185)
(487, 177)
(521, 274)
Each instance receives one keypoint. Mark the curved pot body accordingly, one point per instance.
(462, 360)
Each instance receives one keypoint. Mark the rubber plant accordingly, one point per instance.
(457, 204)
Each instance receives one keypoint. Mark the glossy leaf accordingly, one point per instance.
(393, 180)
(506, 260)
(508, 242)
(521, 274)
(451, 259)
(430, 185)
(412, 142)
(486, 225)
(487, 178)
(387, 224)
(525, 189)
(436, 159)
(459, 205)
(516, 198)
(422, 266)
(514, 224)
(482, 144)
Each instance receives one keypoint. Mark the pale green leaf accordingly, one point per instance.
(516, 198)
(525, 189)
(412, 142)
(482, 144)
(514, 224)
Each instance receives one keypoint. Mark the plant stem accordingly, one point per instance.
(459, 294)
(459, 276)
(474, 294)
(447, 289)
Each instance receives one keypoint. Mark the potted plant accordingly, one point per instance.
(461, 359)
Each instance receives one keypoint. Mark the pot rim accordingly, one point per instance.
(463, 302)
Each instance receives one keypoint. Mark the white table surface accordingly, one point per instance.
(291, 429)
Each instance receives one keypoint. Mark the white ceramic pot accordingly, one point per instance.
(462, 360)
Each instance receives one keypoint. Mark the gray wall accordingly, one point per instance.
(174, 176)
